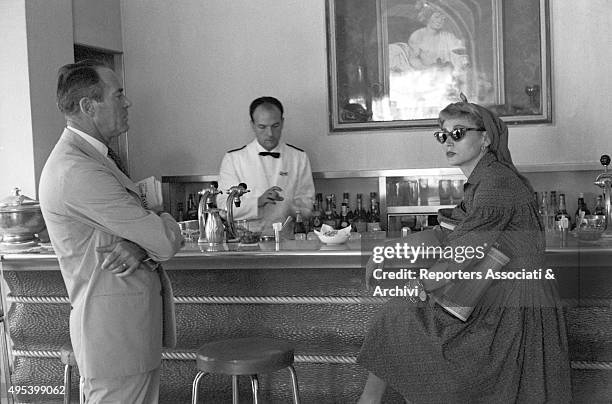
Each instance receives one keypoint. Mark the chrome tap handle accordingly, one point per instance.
(604, 180)
(233, 199)
(236, 192)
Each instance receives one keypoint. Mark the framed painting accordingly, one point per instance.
(397, 63)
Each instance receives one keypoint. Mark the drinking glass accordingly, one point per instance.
(423, 191)
(457, 190)
(413, 196)
(404, 195)
(444, 190)
(393, 189)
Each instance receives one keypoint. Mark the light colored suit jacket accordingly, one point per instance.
(291, 171)
(115, 323)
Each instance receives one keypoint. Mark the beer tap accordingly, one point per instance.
(209, 220)
(604, 180)
(233, 199)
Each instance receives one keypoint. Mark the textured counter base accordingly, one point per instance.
(315, 329)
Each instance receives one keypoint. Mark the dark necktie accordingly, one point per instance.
(267, 153)
(113, 156)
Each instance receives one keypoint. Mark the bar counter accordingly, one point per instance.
(302, 291)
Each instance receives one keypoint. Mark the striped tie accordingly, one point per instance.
(113, 156)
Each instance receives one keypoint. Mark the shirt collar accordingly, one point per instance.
(480, 171)
(98, 145)
(259, 148)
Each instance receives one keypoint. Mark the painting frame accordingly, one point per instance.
(514, 60)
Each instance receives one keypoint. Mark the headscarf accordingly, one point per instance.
(495, 127)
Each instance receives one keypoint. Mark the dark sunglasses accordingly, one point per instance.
(455, 134)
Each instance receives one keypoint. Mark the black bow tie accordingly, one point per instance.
(267, 153)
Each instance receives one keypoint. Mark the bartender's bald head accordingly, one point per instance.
(267, 121)
(266, 102)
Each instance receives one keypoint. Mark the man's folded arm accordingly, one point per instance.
(99, 199)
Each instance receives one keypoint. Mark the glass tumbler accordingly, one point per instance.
(444, 190)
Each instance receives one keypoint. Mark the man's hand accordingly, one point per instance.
(271, 195)
(123, 258)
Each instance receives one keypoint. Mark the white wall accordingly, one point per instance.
(35, 38)
(16, 147)
(192, 68)
(97, 23)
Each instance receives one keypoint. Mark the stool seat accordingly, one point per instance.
(67, 355)
(244, 356)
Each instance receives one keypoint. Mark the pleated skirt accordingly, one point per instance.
(512, 349)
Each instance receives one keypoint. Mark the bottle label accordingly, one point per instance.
(562, 223)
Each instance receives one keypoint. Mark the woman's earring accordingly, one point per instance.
(483, 148)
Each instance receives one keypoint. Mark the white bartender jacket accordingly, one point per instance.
(291, 172)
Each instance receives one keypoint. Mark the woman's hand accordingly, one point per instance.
(123, 258)
(370, 267)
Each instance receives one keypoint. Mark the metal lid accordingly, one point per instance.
(17, 202)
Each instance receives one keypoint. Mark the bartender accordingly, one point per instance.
(277, 174)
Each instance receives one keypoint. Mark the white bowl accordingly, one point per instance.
(328, 235)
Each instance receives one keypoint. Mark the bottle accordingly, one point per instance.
(552, 209)
(181, 213)
(299, 229)
(359, 221)
(562, 219)
(335, 214)
(344, 223)
(374, 217)
(599, 207)
(192, 209)
(543, 210)
(582, 207)
(316, 221)
(329, 216)
(346, 201)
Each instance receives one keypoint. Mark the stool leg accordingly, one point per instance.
(255, 387)
(234, 389)
(67, 377)
(194, 389)
(81, 390)
(294, 383)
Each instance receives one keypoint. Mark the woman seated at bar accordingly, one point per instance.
(513, 347)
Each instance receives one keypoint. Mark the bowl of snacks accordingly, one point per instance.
(329, 235)
(247, 232)
(250, 237)
(591, 227)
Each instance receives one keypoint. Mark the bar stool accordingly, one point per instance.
(69, 360)
(245, 356)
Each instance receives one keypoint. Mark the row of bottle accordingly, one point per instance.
(192, 208)
(359, 219)
(556, 217)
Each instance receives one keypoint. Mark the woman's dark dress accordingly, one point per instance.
(513, 348)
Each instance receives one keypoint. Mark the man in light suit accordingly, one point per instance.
(278, 174)
(107, 244)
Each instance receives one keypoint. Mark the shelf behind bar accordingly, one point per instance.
(406, 172)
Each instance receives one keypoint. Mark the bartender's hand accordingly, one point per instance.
(272, 195)
(123, 258)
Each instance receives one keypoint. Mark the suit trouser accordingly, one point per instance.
(142, 388)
